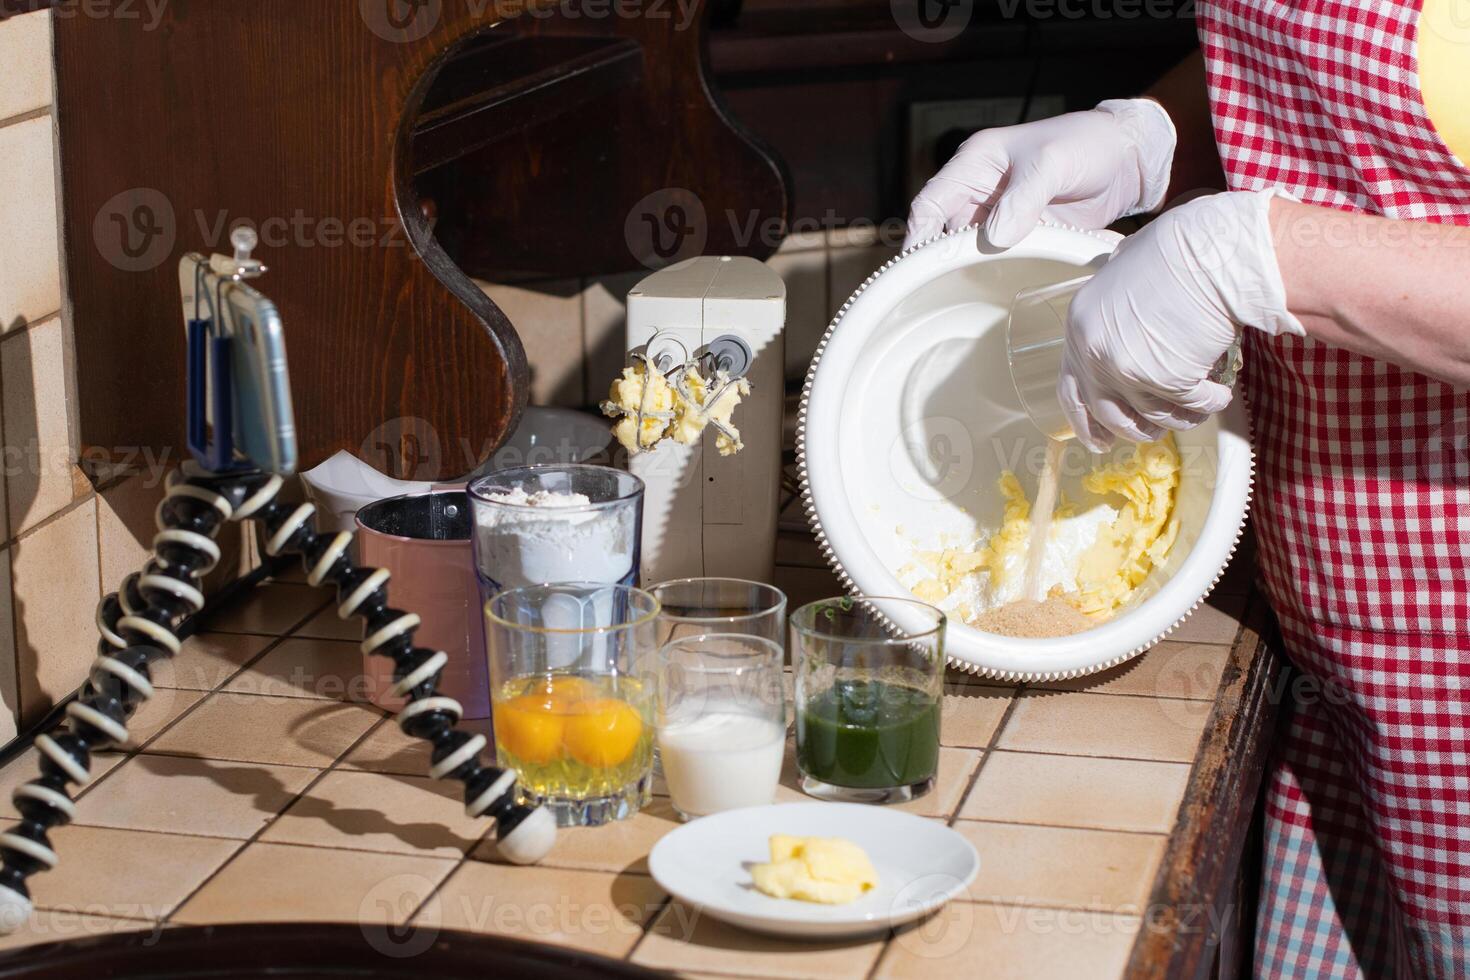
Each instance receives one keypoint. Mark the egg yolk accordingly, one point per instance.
(602, 732)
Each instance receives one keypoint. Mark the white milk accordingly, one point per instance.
(722, 759)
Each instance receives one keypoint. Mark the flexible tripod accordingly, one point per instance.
(139, 626)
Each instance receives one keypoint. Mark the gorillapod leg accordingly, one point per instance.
(138, 624)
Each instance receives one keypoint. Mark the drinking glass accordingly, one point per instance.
(572, 674)
(1036, 340)
(518, 544)
(869, 680)
(695, 606)
(721, 721)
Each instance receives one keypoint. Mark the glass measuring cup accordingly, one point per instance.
(1036, 337)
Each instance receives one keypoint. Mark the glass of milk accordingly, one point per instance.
(692, 606)
(721, 721)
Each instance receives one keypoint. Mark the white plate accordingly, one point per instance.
(909, 415)
(921, 864)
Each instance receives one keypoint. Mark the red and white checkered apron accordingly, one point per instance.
(1362, 512)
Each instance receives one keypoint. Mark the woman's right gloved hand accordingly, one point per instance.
(1084, 168)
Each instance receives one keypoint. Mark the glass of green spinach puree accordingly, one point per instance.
(869, 678)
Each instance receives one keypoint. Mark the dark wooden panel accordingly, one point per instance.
(1197, 890)
(298, 118)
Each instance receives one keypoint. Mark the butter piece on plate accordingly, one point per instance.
(830, 871)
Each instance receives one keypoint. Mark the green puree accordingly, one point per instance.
(869, 735)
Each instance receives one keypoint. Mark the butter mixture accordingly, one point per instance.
(827, 870)
(649, 408)
(1094, 560)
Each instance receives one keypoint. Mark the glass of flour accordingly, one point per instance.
(538, 525)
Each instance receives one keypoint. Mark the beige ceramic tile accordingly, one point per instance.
(30, 260)
(212, 799)
(271, 610)
(1217, 621)
(956, 766)
(1001, 942)
(283, 883)
(1170, 670)
(208, 660)
(1163, 729)
(1093, 869)
(802, 239)
(327, 625)
(619, 846)
(257, 728)
(807, 312)
(849, 268)
(41, 477)
(549, 320)
(9, 679)
(683, 939)
(587, 910)
(50, 926)
(605, 321)
(388, 750)
(971, 713)
(27, 766)
(127, 873)
(25, 51)
(324, 670)
(1073, 791)
(805, 584)
(125, 526)
(371, 811)
(54, 576)
(156, 714)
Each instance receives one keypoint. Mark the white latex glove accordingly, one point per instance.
(1084, 168)
(1147, 330)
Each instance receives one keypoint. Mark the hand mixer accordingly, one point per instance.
(237, 368)
(704, 334)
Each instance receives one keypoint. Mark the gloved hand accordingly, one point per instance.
(1084, 168)
(1146, 331)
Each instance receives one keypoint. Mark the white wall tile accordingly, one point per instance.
(548, 317)
(41, 476)
(25, 51)
(54, 573)
(30, 260)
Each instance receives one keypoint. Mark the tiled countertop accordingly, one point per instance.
(256, 793)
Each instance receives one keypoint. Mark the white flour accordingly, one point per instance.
(546, 537)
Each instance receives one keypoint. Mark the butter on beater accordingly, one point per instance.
(1127, 549)
(827, 870)
(649, 408)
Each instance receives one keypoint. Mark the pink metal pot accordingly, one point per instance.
(423, 540)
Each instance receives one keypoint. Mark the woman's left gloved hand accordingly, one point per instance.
(1147, 330)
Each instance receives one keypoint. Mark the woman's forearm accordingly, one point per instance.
(1395, 290)
(1183, 95)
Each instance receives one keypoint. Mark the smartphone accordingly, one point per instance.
(263, 426)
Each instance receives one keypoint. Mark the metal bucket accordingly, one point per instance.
(423, 540)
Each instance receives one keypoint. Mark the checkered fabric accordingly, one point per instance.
(1363, 513)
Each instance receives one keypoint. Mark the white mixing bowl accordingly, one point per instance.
(909, 416)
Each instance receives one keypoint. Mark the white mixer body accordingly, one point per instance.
(910, 415)
(707, 514)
